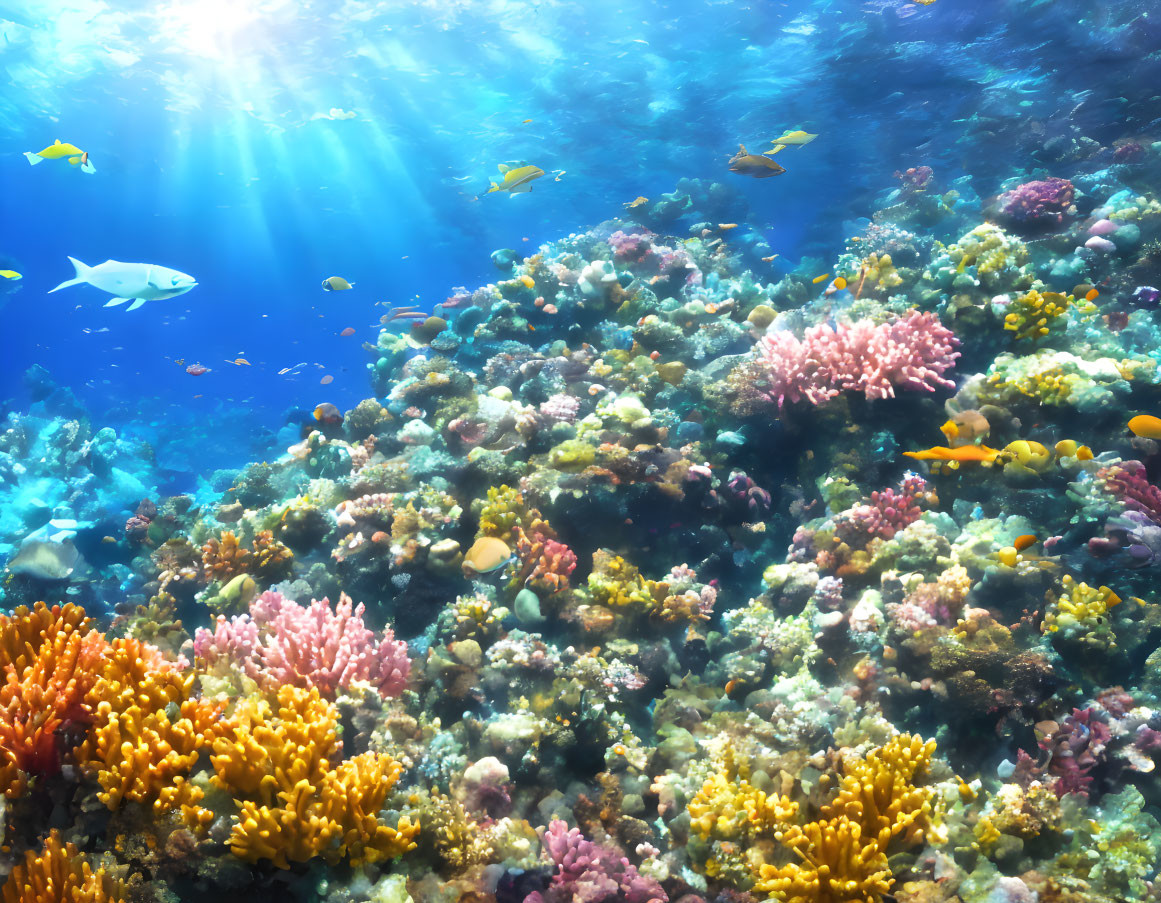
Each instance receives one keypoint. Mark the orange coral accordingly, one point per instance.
(293, 805)
(224, 558)
(49, 658)
(147, 732)
(58, 874)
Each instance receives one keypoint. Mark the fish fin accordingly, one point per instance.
(777, 149)
(57, 141)
(81, 276)
(503, 167)
(116, 302)
(494, 187)
(137, 302)
(74, 161)
(742, 149)
(89, 168)
(519, 189)
(33, 159)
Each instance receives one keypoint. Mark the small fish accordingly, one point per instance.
(197, 369)
(923, 2)
(840, 283)
(817, 279)
(336, 284)
(516, 181)
(526, 121)
(1146, 426)
(239, 362)
(327, 413)
(771, 257)
(637, 201)
(58, 151)
(1020, 543)
(326, 380)
(754, 165)
(1091, 295)
(725, 227)
(797, 138)
(350, 330)
(10, 274)
(180, 361)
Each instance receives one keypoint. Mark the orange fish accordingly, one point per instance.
(964, 453)
(1092, 295)
(1146, 426)
(817, 279)
(727, 226)
(840, 283)
(1020, 543)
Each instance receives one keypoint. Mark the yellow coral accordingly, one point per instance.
(616, 583)
(502, 511)
(1033, 315)
(877, 792)
(293, 805)
(58, 874)
(838, 865)
(1080, 605)
(147, 732)
(843, 855)
(727, 807)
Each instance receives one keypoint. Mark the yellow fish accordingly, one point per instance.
(797, 138)
(516, 181)
(1146, 426)
(637, 202)
(10, 274)
(57, 151)
(336, 284)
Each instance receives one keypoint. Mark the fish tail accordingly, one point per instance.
(33, 159)
(81, 276)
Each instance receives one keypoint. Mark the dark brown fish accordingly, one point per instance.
(754, 165)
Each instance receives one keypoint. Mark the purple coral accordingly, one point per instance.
(281, 642)
(1039, 203)
(587, 872)
(1076, 746)
(912, 352)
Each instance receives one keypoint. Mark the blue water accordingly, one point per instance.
(209, 123)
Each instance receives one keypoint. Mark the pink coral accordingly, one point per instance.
(282, 642)
(591, 873)
(913, 352)
(1037, 203)
(561, 408)
(1129, 483)
(885, 514)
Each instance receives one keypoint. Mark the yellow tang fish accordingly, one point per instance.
(637, 202)
(57, 151)
(518, 180)
(10, 274)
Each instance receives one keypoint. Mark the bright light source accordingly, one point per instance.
(209, 28)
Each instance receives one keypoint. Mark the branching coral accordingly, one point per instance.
(281, 642)
(49, 658)
(58, 874)
(843, 855)
(293, 803)
(590, 871)
(147, 731)
(912, 352)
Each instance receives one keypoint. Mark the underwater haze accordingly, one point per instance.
(480, 451)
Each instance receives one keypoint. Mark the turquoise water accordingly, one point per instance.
(555, 452)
